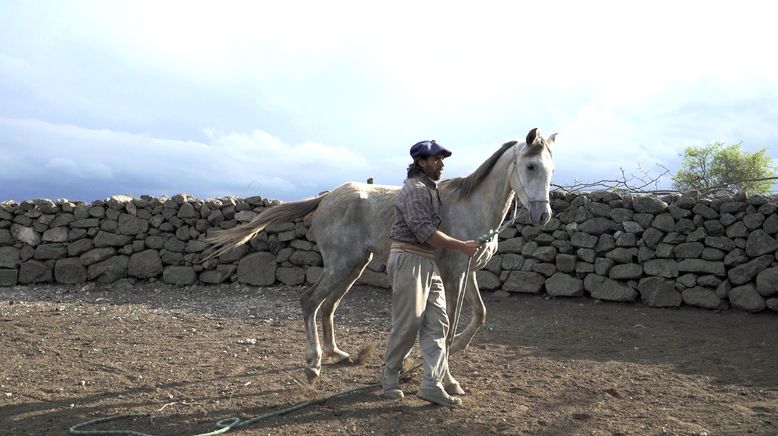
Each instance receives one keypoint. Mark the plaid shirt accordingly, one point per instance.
(416, 211)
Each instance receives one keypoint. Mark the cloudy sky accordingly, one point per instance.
(287, 99)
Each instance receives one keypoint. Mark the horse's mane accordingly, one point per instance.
(462, 187)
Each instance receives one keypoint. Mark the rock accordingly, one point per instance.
(8, 277)
(547, 269)
(179, 275)
(626, 271)
(563, 285)
(712, 254)
(145, 264)
(720, 242)
(702, 266)
(767, 282)
(702, 297)
(658, 292)
(760, 243)
(772, 303)
(753, 221)
(697, 235)
(746, 298)
(513, 245)
(622, 255)
(131, 225)
(245, 216)
(632, 227)
(196, 246)
(57, 234)
(96, 255)
(69, 271)
(746, 272)
(187, 210)
(648, 204)
(219, 275)
(733, 207)
(664, 222)
(118, 202)
(586, 254)
(312, 274)
(105, 239)
(258, 269)
(487, 280)
(621, 214)
(688, 250)
(604, 288)
(25, 234)
(545, 254)
(666, 268)
(709, 281)
(34, 271)
(685, 226)
(5, 237)
(511, 261)
(109, 270)
(583, 240)
(597, 226)
(770, 225)
(603, 265)
(306, 258)
(626, 240)
(564, 263)
(50, 251)
(605, 243)
(293, 275)
(525, 282)
(234, 254)
(735, 257)
(9, 257)
(705, 211)
(651, 237)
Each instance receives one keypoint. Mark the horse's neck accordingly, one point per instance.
(490, 200)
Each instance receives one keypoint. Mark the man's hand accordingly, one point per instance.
(442, 240)
(470, 248)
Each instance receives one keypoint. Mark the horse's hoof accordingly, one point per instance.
(312, 374)
(337, 357)
(457, 346)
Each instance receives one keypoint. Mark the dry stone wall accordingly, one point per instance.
(710, 253)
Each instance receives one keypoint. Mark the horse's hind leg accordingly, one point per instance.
(336, 279)
(331, 350)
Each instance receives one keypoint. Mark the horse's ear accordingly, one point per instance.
(532, 136)
(550, 140)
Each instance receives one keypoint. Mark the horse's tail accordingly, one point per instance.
(223, 240)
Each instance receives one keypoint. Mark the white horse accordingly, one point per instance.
(351, 225)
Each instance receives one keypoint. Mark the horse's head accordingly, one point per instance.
(530, 175)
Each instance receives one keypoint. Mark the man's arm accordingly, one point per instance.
(446, 242)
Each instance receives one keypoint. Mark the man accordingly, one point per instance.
(418, 298)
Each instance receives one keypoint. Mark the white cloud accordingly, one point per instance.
(229, 163)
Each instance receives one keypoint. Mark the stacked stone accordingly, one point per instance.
(145, 238)
(665, 252)
(710, 253)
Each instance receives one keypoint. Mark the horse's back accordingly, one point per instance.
(357, 215)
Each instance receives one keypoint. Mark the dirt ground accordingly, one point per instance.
(192, 356)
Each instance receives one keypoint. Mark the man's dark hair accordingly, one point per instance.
(414, 169)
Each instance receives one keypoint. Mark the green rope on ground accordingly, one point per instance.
(226, 424)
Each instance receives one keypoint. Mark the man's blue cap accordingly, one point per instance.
(424, 149)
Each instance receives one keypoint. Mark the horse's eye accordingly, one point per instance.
(531, 167)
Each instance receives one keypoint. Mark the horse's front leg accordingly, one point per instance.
(473, 298)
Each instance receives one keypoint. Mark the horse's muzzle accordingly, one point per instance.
(539, 212)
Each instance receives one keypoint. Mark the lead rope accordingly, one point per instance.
(483, 239)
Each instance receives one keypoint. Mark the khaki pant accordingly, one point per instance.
(418, 309)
